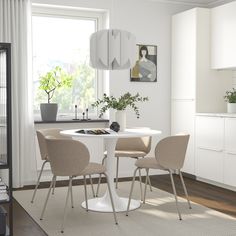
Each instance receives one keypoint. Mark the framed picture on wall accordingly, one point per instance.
(145, 69)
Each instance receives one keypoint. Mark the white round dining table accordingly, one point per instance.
(103, 204)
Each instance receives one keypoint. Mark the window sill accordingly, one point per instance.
(72, 121)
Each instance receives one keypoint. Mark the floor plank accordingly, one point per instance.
(217, 198)
(23, 224)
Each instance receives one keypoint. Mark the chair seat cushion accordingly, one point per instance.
(93, 168)
(130, 153)
(148, 162)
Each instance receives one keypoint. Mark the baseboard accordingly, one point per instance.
(62, 183)
(47, 176)
(190, 176)
(216, 184)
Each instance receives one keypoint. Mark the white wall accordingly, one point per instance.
(151, 23)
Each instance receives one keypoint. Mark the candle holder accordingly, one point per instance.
(87, 114)
(76, 110)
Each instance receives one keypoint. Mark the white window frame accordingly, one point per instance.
(76, 13)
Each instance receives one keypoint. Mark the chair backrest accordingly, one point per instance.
(170, 152)
(142, 144)
(67, 157)
(50, 133)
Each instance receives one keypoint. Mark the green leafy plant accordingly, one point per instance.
(230, 96)
(54, 79)
(121, 103)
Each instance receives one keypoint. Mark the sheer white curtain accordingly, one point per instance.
(15, 28)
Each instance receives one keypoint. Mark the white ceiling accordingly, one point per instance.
(204, 3)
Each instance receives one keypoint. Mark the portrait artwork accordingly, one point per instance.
(145, 69)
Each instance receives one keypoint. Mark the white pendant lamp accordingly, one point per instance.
(112, 49)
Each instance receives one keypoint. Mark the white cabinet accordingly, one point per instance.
(223, 19)
(216, 149)
(184, 55)
(209, 164)
(184, 123)
(230, 152)
(210, 133)
(230, 169)
(230, 135)
(209, 148)
(192, 76)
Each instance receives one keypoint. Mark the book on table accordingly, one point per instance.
(92, 131)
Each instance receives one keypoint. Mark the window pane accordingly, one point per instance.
(64, 41)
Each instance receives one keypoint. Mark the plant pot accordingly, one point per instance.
(48, 111)
(231, 107)
(121, 119)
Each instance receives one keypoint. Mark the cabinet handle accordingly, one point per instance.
(211, 149)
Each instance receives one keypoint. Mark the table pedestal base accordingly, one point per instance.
(101, 205)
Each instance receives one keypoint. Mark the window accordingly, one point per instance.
(61, 38)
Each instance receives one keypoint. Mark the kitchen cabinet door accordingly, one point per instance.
(209, 164)
(184, 55)
(230, 169)
(209, 148)
(223, 36)
(230, 135)
(230, 152)
(210, 133)
(182, 121)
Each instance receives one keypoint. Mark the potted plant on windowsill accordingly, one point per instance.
(120, 104)
(230, 98)
(49, 82)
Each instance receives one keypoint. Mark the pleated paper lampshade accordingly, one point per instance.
(112, 49)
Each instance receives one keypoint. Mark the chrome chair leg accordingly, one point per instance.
(85, 193)
(185, 189)
(91, 183)
(145, 190)
(54, 185)
(117, 169)
(46, 201)
(99, 180)
(103, 160)
(131, 191)
(71, 193)
(174, 191)
(38, 181)
(149, 183)
(140, 182)
(112, 202)
(67, 197)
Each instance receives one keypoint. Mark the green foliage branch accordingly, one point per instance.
(54, 79)
(120, 104)
(230, 96)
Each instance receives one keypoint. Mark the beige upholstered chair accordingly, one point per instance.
(41, 135)
(71, 158)
(169, 155)
(133, 148)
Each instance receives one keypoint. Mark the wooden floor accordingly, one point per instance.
(208, 195)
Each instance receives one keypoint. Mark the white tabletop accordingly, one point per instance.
(128, 133)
